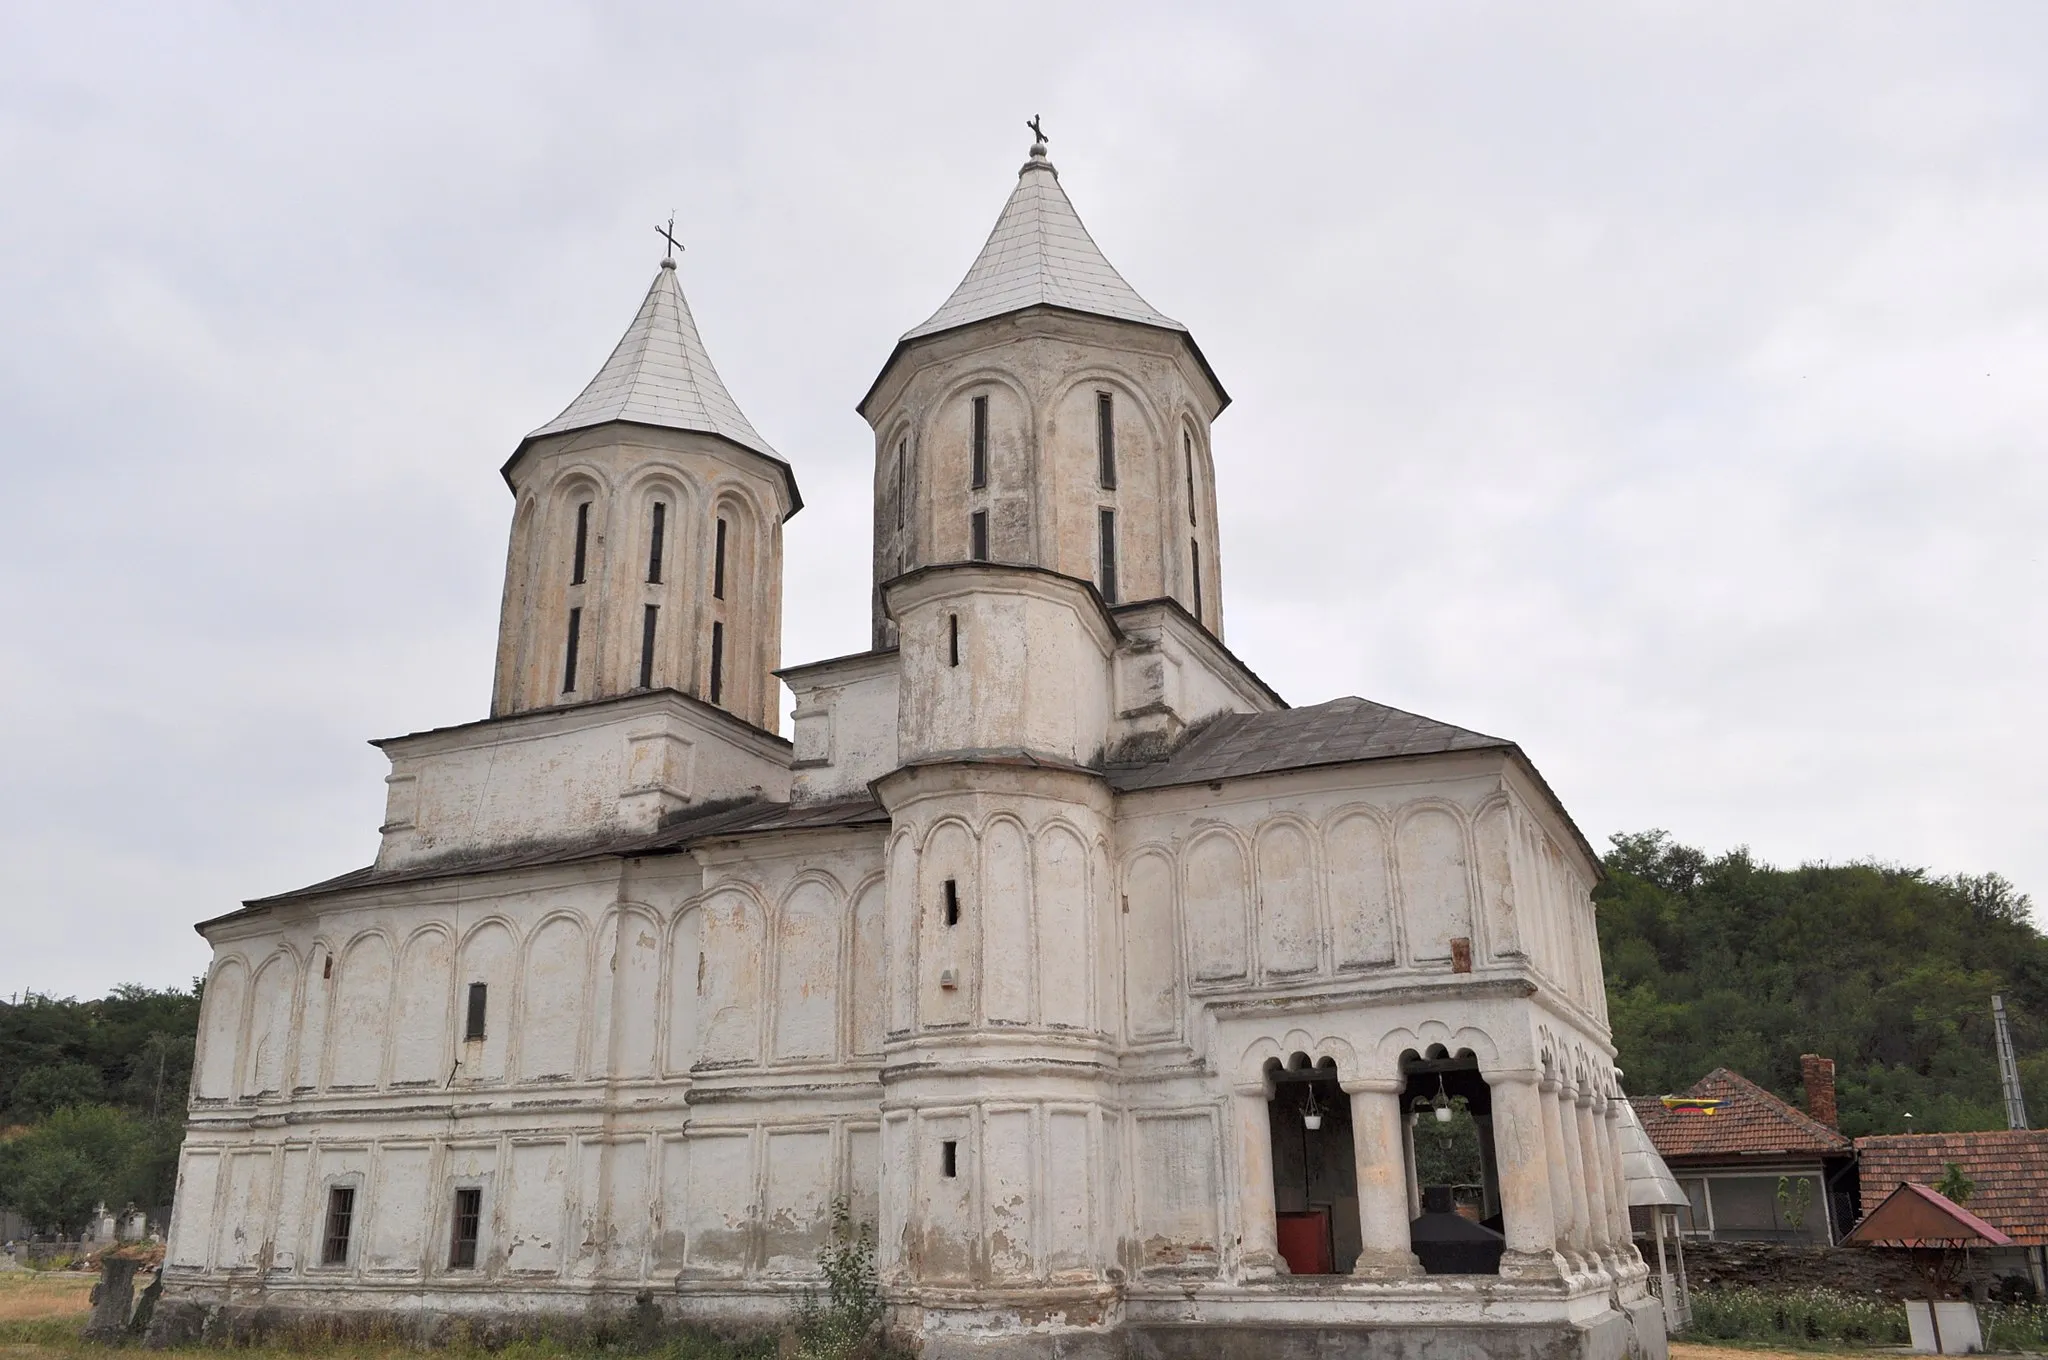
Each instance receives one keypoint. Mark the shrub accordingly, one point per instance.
(2014, 1326)
(1746, 1313)
(842, 1327)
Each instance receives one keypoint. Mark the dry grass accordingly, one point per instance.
(1689, 1350)
(42, 1296)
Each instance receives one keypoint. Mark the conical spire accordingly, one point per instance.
(1040, 255)
(660, 374)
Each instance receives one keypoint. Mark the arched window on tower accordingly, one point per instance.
(1187, 448)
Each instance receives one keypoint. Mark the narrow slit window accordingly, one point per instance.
(952, 901)
(980, 459)
(649, 615)
(327, 968)
(1105, 438)
(1187, 447)
(569, 659)
(902, 458)
(1106, 555)
(654, 545)
(479, 1004)
(977, 533)
(341, 1214)
(949, 1159)
(718, 563)
(469, 1215)
(582, 544)
(717, 662)
(1195, 572)
(952, 639)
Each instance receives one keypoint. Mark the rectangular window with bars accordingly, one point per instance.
(1106, 555)
(979, 461)
(468, 1225)
(341, 1214)
(1105, 439)
(977, 535)
(479, 1002)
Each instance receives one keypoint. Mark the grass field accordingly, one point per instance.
(41, 1314)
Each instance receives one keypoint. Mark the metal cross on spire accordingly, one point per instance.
(668, 233)
(1037, 132)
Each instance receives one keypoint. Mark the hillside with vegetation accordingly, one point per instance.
(1720, 961)
(92, 1103)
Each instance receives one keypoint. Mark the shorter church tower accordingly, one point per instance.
(1048, 416)
(647, 540)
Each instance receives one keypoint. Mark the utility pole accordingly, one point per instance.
(2008, 1068)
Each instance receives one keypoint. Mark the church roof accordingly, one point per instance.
(660, 374)
(1040, 255)
(1336, 733)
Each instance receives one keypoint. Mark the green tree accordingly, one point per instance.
(1954, 1184)
(54, 1086)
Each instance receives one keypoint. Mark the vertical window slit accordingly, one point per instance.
(902, 487)
(1187, 447)
(977, 534)
(952, 901)
(569, 660)
(717, 662)
(648, 617)
(1106, 554)
(654, 546)
(980, 460)
(1195, 572)
(952, 639)
(1105, 438)
(582, 544)
(479, 1001)
(718, 564)
(949, 1159)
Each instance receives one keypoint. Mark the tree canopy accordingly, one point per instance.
(1720, 961)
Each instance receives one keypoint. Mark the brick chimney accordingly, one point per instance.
(1819, 1075)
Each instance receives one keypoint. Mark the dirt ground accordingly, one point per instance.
(1686, 1350)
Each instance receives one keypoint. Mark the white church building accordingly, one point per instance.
(1105, 985)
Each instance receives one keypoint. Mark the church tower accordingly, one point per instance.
(647, 538)
(1048, 416)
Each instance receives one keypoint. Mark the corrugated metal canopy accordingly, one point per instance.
(1649, 1181)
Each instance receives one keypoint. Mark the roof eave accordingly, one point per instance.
(796, 499)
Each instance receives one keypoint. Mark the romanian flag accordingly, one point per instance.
(1690, 1105)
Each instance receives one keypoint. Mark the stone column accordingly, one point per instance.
(1617, 1181)
(1522, 1162)
(1382, 1161)
(1593, 1174)
(1258, 1232)
(1575, 1172)
(1561, 1199)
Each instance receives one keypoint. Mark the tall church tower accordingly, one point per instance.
(647, 540)
(1048, 416)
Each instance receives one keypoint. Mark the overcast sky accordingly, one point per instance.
(1661, 386)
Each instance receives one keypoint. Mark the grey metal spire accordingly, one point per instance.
(1040, 255)
(661, 374)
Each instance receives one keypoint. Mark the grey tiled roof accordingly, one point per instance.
(1040, 254)
(660, 374)
(1335, 733)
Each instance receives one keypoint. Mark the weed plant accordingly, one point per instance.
(1797, 1316)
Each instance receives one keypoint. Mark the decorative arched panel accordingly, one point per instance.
(270, 1025)
(312, 1017)
(685, 979)
(870, 968)
(1151, 949)
(421, 1035)
(1216, 901)
(1290, 939)
(1006, 934)
(1361, 903)
(489, 955)
(1435, 889)
(227, 997)
(947, 945)
(551, 1001)
(362, 1013)
(729, 981)
(807, 972)
(903, 914)
(1493, 837)
(1059, 878)
(635, 994)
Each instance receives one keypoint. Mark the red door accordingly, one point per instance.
(1305, 1242)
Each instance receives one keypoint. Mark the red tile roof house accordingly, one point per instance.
(1733, 1163)
(2009, 1168)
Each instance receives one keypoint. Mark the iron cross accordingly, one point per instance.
(1036, 131)
(668, 233)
